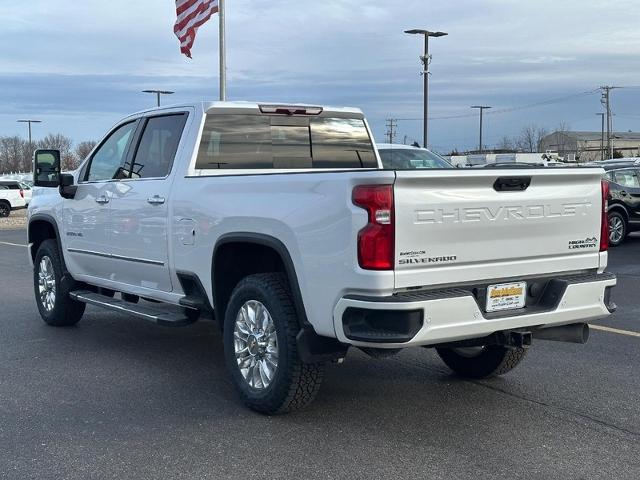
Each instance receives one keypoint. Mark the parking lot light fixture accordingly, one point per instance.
(30, 122)
(158, 93)
(426, 60)
(482, 108)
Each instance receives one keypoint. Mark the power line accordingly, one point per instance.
(498, 111)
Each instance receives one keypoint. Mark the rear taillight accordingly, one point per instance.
(22, 193)
(604, 223)
(376, 241)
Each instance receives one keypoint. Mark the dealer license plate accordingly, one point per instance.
(506, 296)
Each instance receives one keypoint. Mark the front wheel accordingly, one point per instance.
(481, 362)
(52, 294)
(261, 354)
(5, 209)
(617, 228)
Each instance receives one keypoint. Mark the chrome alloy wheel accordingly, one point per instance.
(256, 344)
(616, 229)
(47, 284)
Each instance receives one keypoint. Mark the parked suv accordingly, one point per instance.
(624, 200)
(12, 197)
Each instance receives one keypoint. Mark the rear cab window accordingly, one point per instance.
(244, 141)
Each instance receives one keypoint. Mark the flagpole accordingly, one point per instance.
(223, 53)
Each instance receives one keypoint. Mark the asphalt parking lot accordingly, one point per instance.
(121, 398)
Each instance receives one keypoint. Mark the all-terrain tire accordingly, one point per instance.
(490, 361)
(295, 383)
(5, 209)
(63, 311)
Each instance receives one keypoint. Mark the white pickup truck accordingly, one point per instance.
(280, 222)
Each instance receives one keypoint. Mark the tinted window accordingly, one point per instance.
(341, 143)
(627, 178)
(11, 186)
(235, 141)
(406, 159)
(264, 142)
(158, 146)
(291, 145)
(108, 162)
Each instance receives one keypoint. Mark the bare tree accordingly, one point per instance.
(83, 149)
(530, 138)
(11, 154)
(64, 144)
(506, 143)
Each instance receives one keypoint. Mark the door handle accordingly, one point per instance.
(156, 200)
(102, 200)
(623, 193)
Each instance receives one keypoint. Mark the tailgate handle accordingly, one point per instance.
(512, 184)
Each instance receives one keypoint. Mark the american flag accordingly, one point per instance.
(192, 14)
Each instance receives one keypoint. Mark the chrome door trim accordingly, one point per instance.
(116, 257)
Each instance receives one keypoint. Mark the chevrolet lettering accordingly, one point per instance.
(502, 213)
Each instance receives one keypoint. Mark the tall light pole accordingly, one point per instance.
(482, 108)
(30, 122)
(158, 93)
(602, 137)
(426, 60)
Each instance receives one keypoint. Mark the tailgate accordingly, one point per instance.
(462, 226)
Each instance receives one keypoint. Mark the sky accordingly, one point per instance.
(80, 66)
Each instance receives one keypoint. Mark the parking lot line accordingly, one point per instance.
(14, 244)
(615, 330)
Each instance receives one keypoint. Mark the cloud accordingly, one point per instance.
(72, 62)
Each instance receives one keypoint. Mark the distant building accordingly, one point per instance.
(587, 146)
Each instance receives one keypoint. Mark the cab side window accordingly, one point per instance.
(627, 178)
(158, 146)
(108, 162)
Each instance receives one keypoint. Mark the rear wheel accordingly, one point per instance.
(481, 362)
(5, 209)
(617, 228)
(260, 329)
(52, 289)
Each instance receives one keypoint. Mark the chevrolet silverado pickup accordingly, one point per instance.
(280, 222)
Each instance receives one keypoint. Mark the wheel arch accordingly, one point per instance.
(43, 227)
(618, 207)
(248, 253)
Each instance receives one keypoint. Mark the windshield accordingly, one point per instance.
(411, 159)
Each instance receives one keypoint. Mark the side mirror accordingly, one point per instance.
(46, 168)
(67, 188)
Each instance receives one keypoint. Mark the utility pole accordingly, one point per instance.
(158, 93)
(602, 137)
(426, 61)
(606, 102)
(392, 126)
(482, 108)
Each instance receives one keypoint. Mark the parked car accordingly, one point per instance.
(406, 157)
(281, 222)
(12, 197)
(27, 192)
(624, 200)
